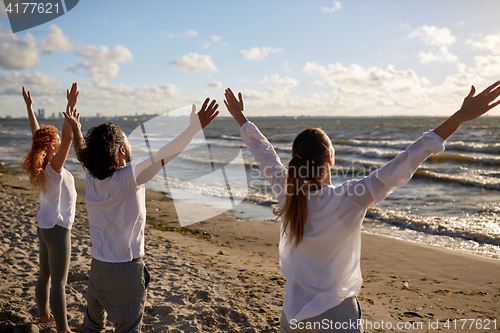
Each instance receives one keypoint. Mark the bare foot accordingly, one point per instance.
(66, 331)
(46, 319)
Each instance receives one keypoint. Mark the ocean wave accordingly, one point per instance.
(462, 158)
(477, 178)
(401, 145)
(478, 227)
(254, 195)
(231, 137)
(476, 147)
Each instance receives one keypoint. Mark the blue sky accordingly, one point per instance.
(331, 58)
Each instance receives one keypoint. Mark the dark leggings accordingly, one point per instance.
(55, 251)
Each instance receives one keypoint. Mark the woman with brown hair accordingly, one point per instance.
(44, 164)
(320, 244)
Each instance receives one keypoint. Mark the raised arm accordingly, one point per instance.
(31, 114)
(59, 158)
(73, 118)
(235, 107)
(262, 150)
(147, 169)
(378, 185)
(472, 107)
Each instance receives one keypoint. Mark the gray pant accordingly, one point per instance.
(118, 289)
(341, 318)
(55, 252)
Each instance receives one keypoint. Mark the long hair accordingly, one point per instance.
(310, 151)
(100, 156)
(34, 162)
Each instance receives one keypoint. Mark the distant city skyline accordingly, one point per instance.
(294, 58)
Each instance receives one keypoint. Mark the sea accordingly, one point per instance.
(452, 201)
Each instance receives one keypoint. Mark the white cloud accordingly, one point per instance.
(20, 54)
(404, 26)
(194, 62)
(46, 102)
(216, 41)
(36, 82)
(442, 56)
(167, 34)
(256, 53)
(215, 84)
(489, 43)
(2, 9)
(100, 96)
(286, 66)
(6, 35)
(433, 35)
(487, 65)
(286, 82)
(158, 93)
(335, 6)
(101, 62)
(17, 53)
(281, 83)
(355, 76)
(253, 94)
(55, 41)
(189, 33)
(186, 34)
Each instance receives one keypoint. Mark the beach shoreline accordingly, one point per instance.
(222, 275)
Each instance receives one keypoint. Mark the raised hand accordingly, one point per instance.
(472, 107)
(27, 98)
(72, 95)
(73, 117)
(206, 114)
(475, 106)
(235, 106)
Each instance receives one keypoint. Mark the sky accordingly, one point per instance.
(288, 58)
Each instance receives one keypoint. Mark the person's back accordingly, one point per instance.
(321, 225)
(116, 207)
(117, 215)
(44, 165)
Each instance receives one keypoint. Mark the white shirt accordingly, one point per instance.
(57, 204)
(325, 267)
(116, 207)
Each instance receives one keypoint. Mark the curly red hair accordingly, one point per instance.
(34, 162)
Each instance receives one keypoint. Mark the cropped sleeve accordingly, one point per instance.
(382, 182)
(265, 156)
(56, 180)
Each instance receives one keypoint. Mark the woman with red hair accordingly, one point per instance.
(44, 165)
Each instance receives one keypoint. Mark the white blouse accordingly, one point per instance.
(116, 207)
(57, 204)
(324, 269)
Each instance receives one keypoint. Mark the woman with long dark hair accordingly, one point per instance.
(44, 164)
(320, 244)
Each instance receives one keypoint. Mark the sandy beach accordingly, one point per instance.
(222, 275)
